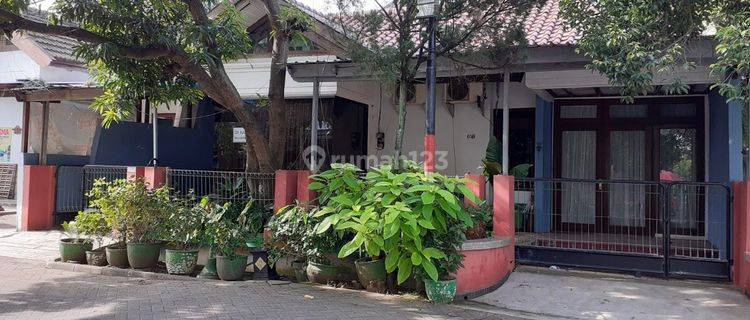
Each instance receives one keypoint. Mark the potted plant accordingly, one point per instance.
(73, 247)
(185, 234)
(482, 217)
(229, 237)
(137, 215)
(443, 289)
(290, 228)
(94, 224)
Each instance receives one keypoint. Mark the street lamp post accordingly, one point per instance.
(428, 9)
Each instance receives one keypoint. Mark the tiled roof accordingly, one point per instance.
(545, 27)
(59, 48)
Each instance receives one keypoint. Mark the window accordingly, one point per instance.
(678, 110)
(578, 112)
(628, 111)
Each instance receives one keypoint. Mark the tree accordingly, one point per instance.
(170, 50)
(632, 41)
(390, 42)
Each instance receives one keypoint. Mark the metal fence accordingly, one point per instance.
(223, 185)
(662, 220)
(73, 184)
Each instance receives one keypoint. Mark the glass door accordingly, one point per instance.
(578, 161)
(627, 161)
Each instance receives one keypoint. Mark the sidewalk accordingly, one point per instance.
(588, 295)
(37, 245)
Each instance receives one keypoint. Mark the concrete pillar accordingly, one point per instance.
(38, 204)
(285, 189)
(478, 185)
(135, 173)
(503, 221)
(304, 194)
(155, 177)
(741, 235)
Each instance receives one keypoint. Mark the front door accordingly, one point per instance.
(603, 141)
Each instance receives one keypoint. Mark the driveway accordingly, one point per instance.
(591, 295)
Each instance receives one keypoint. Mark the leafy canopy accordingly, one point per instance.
(146, 48)
(632, 42)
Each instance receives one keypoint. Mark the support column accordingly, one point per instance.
(38, 204)
(285, 189)
(314, 127)
(135, 173)
(503, 221)
(543, 165)
(478, 185)
(45, 133)
(506, 124)
(429, 137)
(304, 194)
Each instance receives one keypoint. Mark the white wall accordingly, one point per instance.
(63, 74)
(250, 76)
(12, 116)
(462, 138)
(15, 65)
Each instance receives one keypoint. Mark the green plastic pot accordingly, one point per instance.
(117, 256)
(181, 261)
(72, 250)
(300, 274)
(96, 257)
(370, 272)
(231, 268)
(143, 255)
(441, 291)
(209, 270)
(321, 273)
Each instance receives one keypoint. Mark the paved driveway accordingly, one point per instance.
(30, 291)
(589, 295)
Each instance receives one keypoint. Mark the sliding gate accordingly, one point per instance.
(670, 229)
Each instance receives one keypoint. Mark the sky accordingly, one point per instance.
(326, 6)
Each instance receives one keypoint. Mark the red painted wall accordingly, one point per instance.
(38, 198)
(285, 189)
(484, 268)
(741, 235)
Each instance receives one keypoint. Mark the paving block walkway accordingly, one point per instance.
(589, 295)
(36, 245)
(29, 291)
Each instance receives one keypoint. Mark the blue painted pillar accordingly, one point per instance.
(543, 165)
(724, 163)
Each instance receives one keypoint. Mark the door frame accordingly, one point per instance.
(603, 125)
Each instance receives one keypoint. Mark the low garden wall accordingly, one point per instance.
(487, 264)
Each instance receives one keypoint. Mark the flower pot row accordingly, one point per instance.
(146, 256)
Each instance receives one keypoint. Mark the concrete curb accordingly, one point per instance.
(113, 271)
(486, 243)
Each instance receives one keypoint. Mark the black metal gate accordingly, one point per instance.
(73, 184)
(670, 229)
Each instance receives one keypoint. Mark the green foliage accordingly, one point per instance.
(482, 216)
(631, 42)
(448, 243)
(144, 52)
(72, 231)
(390, 213)
(493, 159)
(92, 223)
(186, 227)
(136, 213)
(294, 235)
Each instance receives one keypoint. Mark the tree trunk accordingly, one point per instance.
(402, 85)
(276, 84)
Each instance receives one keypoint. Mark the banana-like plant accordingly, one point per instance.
(390, 213)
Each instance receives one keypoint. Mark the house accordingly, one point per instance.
(639, 187)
